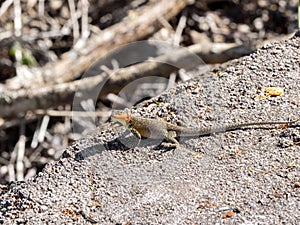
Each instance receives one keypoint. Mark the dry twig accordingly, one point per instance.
(54, 95)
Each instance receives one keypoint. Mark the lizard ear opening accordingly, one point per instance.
(127, 119)
(127, 116)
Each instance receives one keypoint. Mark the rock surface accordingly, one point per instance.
(246, 176)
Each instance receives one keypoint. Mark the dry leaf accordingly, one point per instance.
(270, 92)
(274, 91)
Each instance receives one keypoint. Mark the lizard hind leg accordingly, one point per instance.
(171, 140)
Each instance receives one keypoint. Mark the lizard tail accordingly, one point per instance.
(219, 129)
(243, 125)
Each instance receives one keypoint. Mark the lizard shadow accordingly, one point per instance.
(98, 149)
(117, 144)
(152, 144)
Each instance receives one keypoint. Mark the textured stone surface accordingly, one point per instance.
(247, 176)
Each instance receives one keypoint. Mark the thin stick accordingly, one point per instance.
(20, 155)
(74, 20)
(84, 20)
(34, 142)
(81, 42)
(17, 18)
(179, 29)
(41, 8)
(43, 128)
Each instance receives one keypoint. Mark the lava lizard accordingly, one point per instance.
(160, 129)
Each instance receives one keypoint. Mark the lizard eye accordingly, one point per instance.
(127, 111)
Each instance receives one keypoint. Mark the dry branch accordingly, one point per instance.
(132, 28)
(13, 103)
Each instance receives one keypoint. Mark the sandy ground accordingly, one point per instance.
(247, 176)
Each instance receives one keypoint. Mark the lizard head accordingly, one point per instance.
(121, 117)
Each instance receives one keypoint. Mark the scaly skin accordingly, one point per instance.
(160, 129)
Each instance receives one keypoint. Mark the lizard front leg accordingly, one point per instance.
(135, 133)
